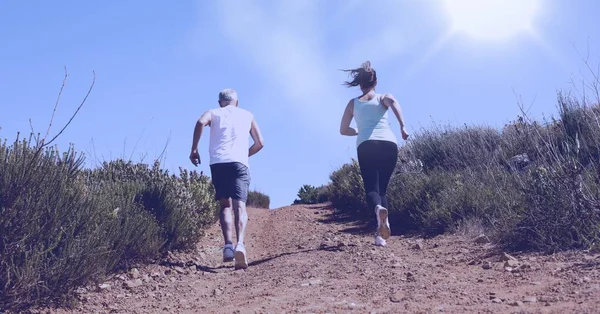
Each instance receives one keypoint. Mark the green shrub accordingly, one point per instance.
(258, 200)
(309, 194)
(346, 190)
(63, 227)
(450, 148)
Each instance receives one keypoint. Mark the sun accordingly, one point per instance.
(492, 19)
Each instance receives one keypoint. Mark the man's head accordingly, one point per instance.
(228, 97)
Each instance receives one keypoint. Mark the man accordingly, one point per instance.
(229, 154)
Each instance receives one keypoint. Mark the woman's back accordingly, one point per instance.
(372, 120)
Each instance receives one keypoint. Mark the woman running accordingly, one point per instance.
(376, 144)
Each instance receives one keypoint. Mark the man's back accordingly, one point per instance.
(229, 135)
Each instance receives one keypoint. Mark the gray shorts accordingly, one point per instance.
(231, 180)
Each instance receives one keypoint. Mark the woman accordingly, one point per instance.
(377, 147)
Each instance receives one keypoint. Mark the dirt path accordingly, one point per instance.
(304, 259)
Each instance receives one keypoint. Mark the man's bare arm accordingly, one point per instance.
(257, 138)
(345, 128)
(200, 124)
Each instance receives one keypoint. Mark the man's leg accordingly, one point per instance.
(241, 219)
(219, 180)
(226, 220)
(240, 195)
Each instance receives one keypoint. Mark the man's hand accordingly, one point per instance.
(195, 157)
(404, 133)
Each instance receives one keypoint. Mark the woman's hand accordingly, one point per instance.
(404, 133)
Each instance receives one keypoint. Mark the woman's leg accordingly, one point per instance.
(389, 156)
(368, 170)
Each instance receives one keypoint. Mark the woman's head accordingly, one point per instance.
(365, 76)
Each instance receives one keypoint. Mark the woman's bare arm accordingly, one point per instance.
(345, 128)
(390, 102)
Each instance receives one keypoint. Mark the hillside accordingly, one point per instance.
(309, 259)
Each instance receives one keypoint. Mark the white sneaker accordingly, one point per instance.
(228, 253)
(383, 225)
(240, 257)
(379, 241)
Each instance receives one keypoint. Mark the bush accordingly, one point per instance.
(533, 185)
(346, 190)
(309, 194)
(62, 227)
(258, 200)
(450, 148)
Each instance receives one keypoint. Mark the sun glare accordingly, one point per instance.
(492, 19)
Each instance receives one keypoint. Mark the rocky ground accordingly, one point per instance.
(306, 259)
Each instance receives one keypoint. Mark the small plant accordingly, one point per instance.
(309, 194)
(258, 200)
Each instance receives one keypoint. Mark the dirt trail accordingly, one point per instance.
(305, 259)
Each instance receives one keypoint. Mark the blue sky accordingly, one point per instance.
(160, 65)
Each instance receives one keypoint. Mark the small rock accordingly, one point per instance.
(410, 277)
(130, 284)
(472, 262)
(397, 297)
(135, 273)
(179, 270)
(516, 303)
(507, 257)
(105, 286)
(587, 279)
(417, 246)
(536, 283)
(314, 282)
(497, 300)
(511, 263)
(397, 265)
(482, 239)
(530, 300)
(487, 265)
(155, 275)
(301, 247)
(217, 292)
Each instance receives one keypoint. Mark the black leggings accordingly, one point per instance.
(377, 160)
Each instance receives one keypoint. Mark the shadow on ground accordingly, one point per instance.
(214, 270)
(362, 224)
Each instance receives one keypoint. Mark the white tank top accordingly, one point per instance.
(372, 120)
(229, 135)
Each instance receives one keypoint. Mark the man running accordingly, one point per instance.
(229, 154)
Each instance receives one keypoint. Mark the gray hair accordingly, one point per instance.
(228, 95)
